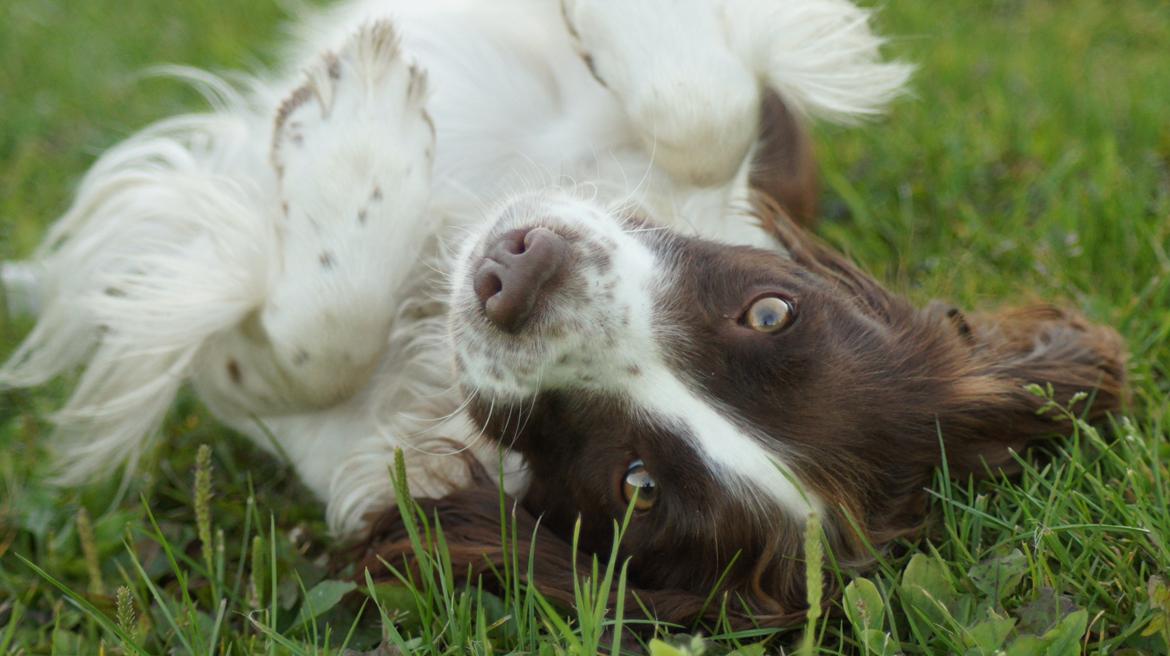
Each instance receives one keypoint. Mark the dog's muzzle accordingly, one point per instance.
(515, 271)
(556, 292)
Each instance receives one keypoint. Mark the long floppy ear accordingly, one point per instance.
(983, 363)
(784, 166)
(990, 408)
(470, 520)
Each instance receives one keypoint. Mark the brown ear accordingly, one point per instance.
(470, 520)
(784, 167)
(991, 408)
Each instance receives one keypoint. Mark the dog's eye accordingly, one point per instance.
(769, 314)
(639, 481)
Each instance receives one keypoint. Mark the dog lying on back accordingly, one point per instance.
(568, 230)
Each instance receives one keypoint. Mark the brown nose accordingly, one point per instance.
(515, 270)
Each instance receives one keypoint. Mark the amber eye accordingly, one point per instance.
(639, 481)
(769, 314)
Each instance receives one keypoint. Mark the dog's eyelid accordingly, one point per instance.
(759, 294)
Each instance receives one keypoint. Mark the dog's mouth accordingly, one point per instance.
(555, 293)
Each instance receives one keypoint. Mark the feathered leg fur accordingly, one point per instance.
(160, 249)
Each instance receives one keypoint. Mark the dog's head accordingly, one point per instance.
(728, 392)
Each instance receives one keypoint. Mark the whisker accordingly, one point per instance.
(635, 231)
(531, 412)
(445, 417)
(416, 448)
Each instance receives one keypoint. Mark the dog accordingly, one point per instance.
(562, 234)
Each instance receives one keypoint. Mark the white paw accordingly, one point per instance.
(353, 148)
(368, 81)
(695, 102)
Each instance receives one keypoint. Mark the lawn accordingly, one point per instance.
(1031, 162)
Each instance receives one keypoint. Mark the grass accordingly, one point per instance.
(1032, 162)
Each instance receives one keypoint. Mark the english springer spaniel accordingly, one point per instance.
(567, 229)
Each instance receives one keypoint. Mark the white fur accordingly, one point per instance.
(20, 293)
(199, 242)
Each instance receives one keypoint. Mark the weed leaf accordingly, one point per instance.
(322, 597)
(999, 576)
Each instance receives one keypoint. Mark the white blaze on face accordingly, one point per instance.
(611, 341)
(735, 457)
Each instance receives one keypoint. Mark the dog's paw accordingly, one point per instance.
(367, 81)
(693, 99)
(353, 149)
